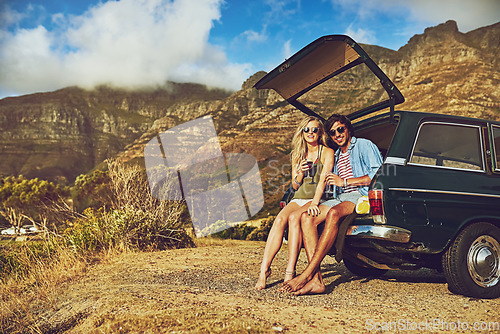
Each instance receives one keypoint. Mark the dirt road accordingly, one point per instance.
(210, 289)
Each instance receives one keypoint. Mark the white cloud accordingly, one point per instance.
(361, 35)
(287, 49)
(9, 17)
(127, 43)
(253, 36)
(469, 14)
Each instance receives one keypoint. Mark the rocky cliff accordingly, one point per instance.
(68, 132)
(62, 134)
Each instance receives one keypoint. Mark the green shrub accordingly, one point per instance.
(127, 229)
(88, 234)
(92, 190)
(16, 258)
(261, 233)
(29, 197)
(238, 232)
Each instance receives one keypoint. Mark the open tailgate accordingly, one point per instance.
(320, 61)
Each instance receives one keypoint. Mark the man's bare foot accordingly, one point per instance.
(294, 284)
(313, 287)
(261, 281)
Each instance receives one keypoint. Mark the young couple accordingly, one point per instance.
(354, 164)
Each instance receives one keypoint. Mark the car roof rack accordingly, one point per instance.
(320, 61)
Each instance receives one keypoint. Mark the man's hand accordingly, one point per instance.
(334, 179)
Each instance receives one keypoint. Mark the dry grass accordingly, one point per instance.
(34, 273)
(38, 283)
(27, 301)
(46, 276)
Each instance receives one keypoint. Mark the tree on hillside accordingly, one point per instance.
(27, 197)
(92, 190)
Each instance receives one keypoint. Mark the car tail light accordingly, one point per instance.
(377, 206)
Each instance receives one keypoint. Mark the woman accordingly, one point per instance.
(308, 144)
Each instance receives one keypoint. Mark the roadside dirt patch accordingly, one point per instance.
(210, 289)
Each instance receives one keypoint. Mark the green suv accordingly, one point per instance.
(435, 201)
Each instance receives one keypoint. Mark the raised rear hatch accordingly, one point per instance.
(320, 61)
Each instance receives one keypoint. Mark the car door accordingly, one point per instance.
(451, 182)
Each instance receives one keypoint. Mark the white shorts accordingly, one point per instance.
(343, 197)
(301, 202)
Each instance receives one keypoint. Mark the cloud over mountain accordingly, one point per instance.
(127, 43)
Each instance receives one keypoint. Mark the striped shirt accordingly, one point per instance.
(345, 170)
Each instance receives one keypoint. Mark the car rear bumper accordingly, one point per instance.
(389, 233)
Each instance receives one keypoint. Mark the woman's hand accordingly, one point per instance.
(303, 167)
(301, 170)
(313, 210)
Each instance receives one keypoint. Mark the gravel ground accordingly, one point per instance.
(220, 278)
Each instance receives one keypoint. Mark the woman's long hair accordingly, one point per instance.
(299, 145)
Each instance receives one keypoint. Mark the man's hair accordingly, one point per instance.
(341, 119)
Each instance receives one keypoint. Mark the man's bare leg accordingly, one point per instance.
(310, 229)
(304, 283)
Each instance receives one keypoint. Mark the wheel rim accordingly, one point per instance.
(483, 261)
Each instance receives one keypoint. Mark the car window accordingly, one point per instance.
(496, 140)
(449, 146)
(380, 133)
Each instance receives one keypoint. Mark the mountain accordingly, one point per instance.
(61, 134)
(70, 131)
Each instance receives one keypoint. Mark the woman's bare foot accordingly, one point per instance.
(261, 281)
(313, 287)
(289, 275)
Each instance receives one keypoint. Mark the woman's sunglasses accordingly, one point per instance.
(314, 130)
(340, 130)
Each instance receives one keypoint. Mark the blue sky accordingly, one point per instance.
(50, 44)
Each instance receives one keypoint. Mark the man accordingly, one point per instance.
(356, 162)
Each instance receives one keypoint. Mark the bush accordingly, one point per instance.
(16, 259)
(92, 190)
(238, 232)
(261, 233)
(126, 229)
(28, 197)
(135, 218)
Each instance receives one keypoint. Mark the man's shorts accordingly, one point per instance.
(343, 197)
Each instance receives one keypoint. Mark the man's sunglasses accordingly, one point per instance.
(340, 130)
(314, 130)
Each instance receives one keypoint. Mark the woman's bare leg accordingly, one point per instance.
(273, 244)
(294, 241)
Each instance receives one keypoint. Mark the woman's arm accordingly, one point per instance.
(298, 174)
(328, 160)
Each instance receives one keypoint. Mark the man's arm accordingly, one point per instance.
(355, 181)
(371, 158)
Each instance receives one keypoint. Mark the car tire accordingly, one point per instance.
(472, 262)
(359, 270)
